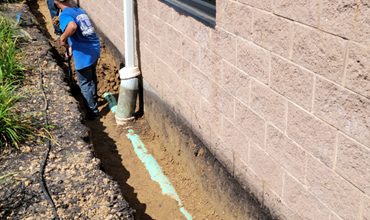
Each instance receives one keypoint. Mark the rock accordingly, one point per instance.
(52, 156)
(27, 149)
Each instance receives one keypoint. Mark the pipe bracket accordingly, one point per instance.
(129, 72)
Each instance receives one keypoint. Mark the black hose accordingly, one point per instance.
(43, 163)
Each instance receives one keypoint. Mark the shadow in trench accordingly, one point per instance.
(140, 112)
(35, 9)
(105, 149)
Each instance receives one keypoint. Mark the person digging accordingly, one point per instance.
(80, 40)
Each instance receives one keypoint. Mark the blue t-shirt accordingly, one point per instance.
(84, 42)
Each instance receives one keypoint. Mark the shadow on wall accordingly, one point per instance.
(226, 195)
(140, 113)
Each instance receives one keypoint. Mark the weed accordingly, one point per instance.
(9, 174)
(12, 129)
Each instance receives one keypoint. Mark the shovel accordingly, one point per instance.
(69, 69)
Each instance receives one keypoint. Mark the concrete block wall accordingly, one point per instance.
(279, 91)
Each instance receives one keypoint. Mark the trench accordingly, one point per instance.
(117, 153)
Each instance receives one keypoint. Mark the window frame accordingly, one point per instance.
(200, 10)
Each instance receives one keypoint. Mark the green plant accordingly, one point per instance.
(7, 28)
(10, 61)
(15, 127)
(9, 174)
(12, 126)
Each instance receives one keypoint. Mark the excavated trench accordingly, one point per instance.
(117, 154)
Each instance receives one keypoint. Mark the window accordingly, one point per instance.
(202, 10)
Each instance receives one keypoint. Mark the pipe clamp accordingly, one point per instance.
(129, 72)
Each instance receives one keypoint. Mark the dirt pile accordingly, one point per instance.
(55, 21)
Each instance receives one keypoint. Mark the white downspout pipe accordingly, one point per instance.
(129, 82)
(129, 33)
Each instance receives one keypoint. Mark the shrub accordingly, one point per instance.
(12, 129)
(13, 126)
(9, 59)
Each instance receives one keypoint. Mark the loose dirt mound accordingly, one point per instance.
(56, 21)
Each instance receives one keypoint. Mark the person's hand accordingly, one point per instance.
(69, 52)
(64, 41)
(69, 31)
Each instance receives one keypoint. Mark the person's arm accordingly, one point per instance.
(69, 31)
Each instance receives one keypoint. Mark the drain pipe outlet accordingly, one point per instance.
(127, 95)
(129, 82)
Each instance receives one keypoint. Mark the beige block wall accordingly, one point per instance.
(279, 91)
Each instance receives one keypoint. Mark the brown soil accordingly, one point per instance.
(117, 155)
(55, 21)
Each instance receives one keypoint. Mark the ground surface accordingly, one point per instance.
(79, 188)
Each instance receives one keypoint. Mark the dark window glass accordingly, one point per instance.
(202, 10)
(210, 1)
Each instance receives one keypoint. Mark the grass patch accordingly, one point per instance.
(14, 127)
(7, 175)
(9, 54)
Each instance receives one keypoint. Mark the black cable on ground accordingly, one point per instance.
(43, 163)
